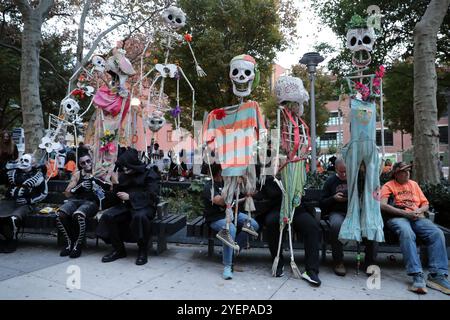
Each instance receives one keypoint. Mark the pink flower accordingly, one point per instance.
(376, 82)
(109, 147)
(380, 72)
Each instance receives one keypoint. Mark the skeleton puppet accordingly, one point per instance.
(363, 217)
(295, 141)
(233, 132)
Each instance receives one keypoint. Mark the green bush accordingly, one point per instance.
(185, 201)
(439, 197)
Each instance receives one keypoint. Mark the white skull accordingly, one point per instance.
(99, 63)
(360, 41)
(156, 121)
(291, 89)
(26, 162)
(242, 75)
(174, 17)
(71, 107)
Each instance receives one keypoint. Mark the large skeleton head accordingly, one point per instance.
(99, 63)
(174, 17)
(360, 41)
(291, 89)
(242, 74)
(26, 162)
(156, 121)
(71, 107)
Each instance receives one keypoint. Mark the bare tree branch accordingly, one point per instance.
(80, 44)
(44, 7)
(18, 50)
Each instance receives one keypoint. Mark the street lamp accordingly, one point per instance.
(311, 60)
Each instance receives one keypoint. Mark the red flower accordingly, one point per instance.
(285, 220)
(78, 93)
(219, 114)
(380, 72)
(109, 147)
(188, 37)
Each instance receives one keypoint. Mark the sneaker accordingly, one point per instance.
(280, 271)
(312, 278)
(225, 236)
(439, 282)
(340, 270)
(227, 273)
(66, 251)
(247, 227)
(418, 286)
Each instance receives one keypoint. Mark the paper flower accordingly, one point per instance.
(188, 37)
(109, 147)
(285, 220)
(219, 114)
(79, 93)
(380, 72)
(49, 145)
(176, 111)
(363, 90)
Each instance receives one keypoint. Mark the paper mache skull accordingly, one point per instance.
(291, 89)
(119, 66)
(26, 162)
(360, 40)
(71, 107)
(243, 75)
(155, 121)
(174, 17)
(99, 63)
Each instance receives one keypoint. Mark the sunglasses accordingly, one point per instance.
(83, 163)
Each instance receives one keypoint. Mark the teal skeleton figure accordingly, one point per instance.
(294, 139)
(363, 219)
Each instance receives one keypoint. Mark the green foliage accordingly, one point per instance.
(185, 201)
(439, 197)
(315, 180)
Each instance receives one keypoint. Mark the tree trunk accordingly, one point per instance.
(426, 133)
(33, 120)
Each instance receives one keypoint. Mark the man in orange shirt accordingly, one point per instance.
(406, 217)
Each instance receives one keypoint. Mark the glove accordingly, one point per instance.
(21, 201)
(21, 192)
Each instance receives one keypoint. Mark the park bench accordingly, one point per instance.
(200, 229)
(163, 225)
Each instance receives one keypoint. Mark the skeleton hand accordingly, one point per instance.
(200, 72)
(87, 184)
(21, 192)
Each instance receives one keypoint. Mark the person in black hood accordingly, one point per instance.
(136, 191)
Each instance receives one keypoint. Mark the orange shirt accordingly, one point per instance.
(70, 166)
(408, 195)
(52, 168)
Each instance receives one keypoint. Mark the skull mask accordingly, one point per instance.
(156, 121)
(242, 74)
(291, 89)
(174, 17)
(26, 162)
(70, 106)
(99, 63)
(360, 41)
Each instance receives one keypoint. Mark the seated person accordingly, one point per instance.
(214, 214)
(26, 187)
(136, 191)
(406, 217)
(334, 204)
(86, 193)
(303, 222)
(71, 166)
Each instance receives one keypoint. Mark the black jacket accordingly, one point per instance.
(332, 186)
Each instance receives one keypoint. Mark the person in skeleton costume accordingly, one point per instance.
(26, 187)
(129, 220)
(363, 219)
(233, 133)
(86, 193)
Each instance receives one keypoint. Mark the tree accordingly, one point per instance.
(426, 133)
(33, 18)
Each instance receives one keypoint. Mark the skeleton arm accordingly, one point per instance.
(200, 72)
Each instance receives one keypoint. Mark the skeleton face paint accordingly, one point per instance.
(71, 107)
(291, 89)
(156, 121)
(242, 75)
(26, 162)
(174, 17)
(86, 163)
(360, 41)
(99, 63)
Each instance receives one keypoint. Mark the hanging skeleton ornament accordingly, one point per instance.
(360, 40)
(174, 17)
(156, 121)
(26, 162)
(71, 107)
(291, 89)
(99, 63)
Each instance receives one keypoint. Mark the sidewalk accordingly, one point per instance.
(36, 271)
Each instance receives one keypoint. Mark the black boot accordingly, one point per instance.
(115, 254)
(10, 246)
(142, 257)
(66, 251)
(76, 251)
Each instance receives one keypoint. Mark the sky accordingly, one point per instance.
(311, 32)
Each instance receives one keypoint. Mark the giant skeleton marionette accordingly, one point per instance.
(233, 133)
(26, 187)
(363, 219)
(157, 106)
(294, 141)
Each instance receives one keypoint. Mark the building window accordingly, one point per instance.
(443, 135)
(169, 136)
(334, 119)
(388, 138)
(330, 139)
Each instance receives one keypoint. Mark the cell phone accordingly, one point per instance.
(345, 193)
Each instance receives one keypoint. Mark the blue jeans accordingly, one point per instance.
(241, 238)
(433, 237)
